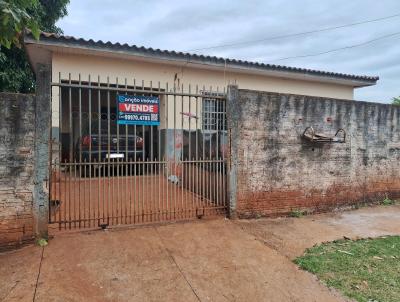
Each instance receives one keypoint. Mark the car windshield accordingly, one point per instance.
(104, 127)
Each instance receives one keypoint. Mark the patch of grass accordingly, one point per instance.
(297, 213)
(365, 270)
(388, 202)
(42, 242)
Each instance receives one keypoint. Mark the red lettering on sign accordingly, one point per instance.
(139, 108)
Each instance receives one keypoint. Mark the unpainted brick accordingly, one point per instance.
(279, 171)
(17, 118)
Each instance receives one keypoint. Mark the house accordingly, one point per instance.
(72, 59)
(159, 116)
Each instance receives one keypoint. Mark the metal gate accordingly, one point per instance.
(135, 153)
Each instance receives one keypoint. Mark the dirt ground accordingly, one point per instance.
(206, 260)
(87, 202)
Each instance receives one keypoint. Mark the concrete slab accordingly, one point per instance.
(211, 260)
(223, 263)
(18, 273)
(291, 236)
(128, 265)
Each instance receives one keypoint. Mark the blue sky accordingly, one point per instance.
(187, 25)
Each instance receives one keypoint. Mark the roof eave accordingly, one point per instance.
(194, 61)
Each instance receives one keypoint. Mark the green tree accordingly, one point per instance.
(14, 18)
(396, 101)
(15, 72)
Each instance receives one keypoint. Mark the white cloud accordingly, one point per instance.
(177, 25)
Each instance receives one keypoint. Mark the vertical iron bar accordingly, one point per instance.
(84, 185)
(80, 148)
(90, 146)
(216, 165)
(112, 180)
(108, 151)
(118, 202)
(152, 204)
(182, 155)
(144, 195)
(224, 179)
(196, 165)
(60, 111)
(166, 157)
(159, 153)
(189, 166)
(127, 175)
(175, 161)
(99, 159)
(74, 189)
(71, 142)
(69, 193)
(217, 170)
(136, 193)
(71, 138)
(212, 100)
(65, 195)
(203, 195)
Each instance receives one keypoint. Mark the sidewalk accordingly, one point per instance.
(211, 260)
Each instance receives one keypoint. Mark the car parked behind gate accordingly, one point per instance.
(109, 143)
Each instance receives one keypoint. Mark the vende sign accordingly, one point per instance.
(138, 110)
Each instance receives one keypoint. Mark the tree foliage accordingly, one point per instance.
(48, 12)
(15, 72)
(14, 18)
(396, 101)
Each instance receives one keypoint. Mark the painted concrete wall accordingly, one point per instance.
(143, 71)
(150, 74)
(279, 171)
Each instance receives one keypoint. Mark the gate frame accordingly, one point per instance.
(174, 93)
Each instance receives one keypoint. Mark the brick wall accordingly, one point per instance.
(17, 123)
(278, 171)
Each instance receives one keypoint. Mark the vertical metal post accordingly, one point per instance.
(165, 149)
(90, 148)
(108, 158)
(189, 165)
(196, 164)
(80, 148)
(59, 161)
(159, 156)
(99, 159)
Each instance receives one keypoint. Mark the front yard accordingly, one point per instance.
(364, 270)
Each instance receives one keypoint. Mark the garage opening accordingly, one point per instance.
(127, 154)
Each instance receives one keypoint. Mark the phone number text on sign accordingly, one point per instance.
(138, 110)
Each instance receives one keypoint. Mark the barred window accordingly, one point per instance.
(214, 117)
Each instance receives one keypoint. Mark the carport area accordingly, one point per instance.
(208, 260)
(88, 202)
(134, 155)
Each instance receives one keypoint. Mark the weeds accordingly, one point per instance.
(387, 201)
(297, 213)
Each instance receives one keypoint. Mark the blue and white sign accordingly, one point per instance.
(138, 110)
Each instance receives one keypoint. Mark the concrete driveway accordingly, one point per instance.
(291, 236)
(211, 260)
